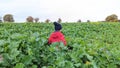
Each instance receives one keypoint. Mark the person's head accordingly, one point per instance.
(57, 26)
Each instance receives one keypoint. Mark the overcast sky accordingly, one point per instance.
(67, 10)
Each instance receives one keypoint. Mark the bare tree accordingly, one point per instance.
(79, 21)
(118, 20)
(29, 19)
(36, 20)
(59, 20)
(88, 20)
(47, 21)
(0, 19)
(112, 18)
(8, 18)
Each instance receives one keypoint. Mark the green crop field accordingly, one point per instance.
(89, 45)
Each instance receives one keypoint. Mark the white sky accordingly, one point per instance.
(67, 10)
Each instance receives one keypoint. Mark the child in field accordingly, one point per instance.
(57, 36)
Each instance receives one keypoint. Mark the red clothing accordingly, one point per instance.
(56, 37)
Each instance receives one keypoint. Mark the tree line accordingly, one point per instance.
(10, 18)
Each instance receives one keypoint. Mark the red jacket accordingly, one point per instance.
(56, 36)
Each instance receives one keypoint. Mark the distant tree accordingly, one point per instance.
(101, 21)
(36, 20)
(47, 21)
(59, 20)
(29, 19)
(88, 20)
(79, 21)
(118, 20)
(0, 19)
(112, 18)
(8, 18)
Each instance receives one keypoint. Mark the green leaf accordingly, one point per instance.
(34, 66)
(111, 65)
(2, 42)
(27, 59)
(19, 65)
(44, 67)
(78, 64)
(17, 36)
(36, 34)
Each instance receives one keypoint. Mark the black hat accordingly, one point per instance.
(57, 26)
